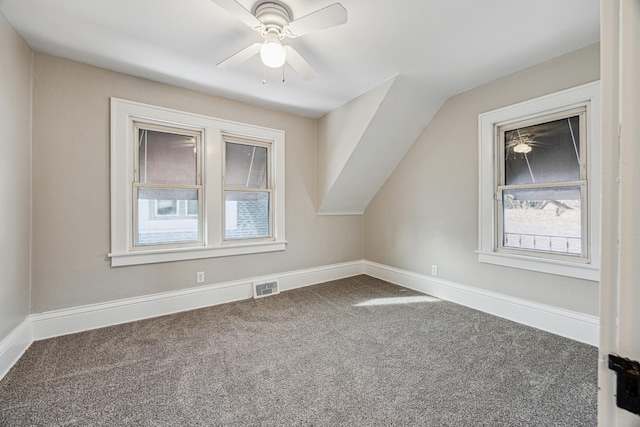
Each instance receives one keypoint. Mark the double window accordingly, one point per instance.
(539, 184)
(185, 186)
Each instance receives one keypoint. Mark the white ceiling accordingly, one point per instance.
(440, 47)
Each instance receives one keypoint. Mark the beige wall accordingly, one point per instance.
(407, 225)
(427, 211)
(15, 177)
(71, 191)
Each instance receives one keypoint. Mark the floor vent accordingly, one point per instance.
(265, 289)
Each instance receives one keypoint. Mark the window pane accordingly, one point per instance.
(160, 220)
(166, 158)
(166, 207)
(246, 215)
(246, 166)
(543, 153)
(192, 207)
(547, 219)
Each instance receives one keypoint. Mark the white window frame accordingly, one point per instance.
(269, 190)
(197, 135)
(489, 124)
(581, 182)
(123, 116)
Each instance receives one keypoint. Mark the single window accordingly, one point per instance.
(540, 184)
(166, 177)
(247, 190)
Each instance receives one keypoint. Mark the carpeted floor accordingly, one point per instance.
(355, 352)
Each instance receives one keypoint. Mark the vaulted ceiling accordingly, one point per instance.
(420, 52)
(442, 47)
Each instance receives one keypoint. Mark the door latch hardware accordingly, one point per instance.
(628, 382)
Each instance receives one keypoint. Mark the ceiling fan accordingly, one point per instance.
(273, 21)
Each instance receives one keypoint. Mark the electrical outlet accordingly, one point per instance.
(434, 270)
(200, 277)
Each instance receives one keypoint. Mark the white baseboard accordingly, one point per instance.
(570, 324)
(77, 319)
(14, 345)
(577, 326)
(312, 276)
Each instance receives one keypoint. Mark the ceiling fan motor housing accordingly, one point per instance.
(274, 16)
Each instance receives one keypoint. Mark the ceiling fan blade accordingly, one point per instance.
(299, 64)
(237, 10)
(240, 57)
(327, 17)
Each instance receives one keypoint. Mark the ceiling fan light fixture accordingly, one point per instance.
(272, 53)
(522, 148)
(522, 144)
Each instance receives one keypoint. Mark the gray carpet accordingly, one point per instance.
(356, 352)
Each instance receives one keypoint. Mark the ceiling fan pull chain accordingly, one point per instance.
(282, 73)
(264, 76)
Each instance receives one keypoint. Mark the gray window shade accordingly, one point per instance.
(554, 155)
(166, 158)
(542, 194)
(246, 166)
(167, 193)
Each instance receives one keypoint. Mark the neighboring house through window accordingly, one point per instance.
(540, 184)
(186, 186)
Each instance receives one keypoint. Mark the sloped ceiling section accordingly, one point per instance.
(339, 133)
(362, 142)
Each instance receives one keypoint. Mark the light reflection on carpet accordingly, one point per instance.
(396, 301)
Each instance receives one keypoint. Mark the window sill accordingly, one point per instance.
(542, 265)
(183, 254)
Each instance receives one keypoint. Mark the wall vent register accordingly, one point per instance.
(261, 290)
